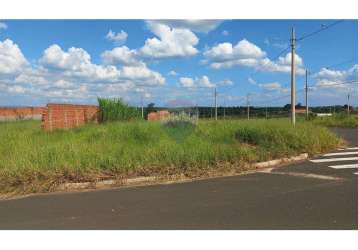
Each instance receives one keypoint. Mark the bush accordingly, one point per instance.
(116, 110)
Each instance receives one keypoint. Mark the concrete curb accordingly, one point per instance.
(146, 180)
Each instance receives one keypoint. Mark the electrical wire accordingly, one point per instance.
(323, 27)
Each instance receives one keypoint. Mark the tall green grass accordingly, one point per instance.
(33, 160)
(339, 120)
(116, 110)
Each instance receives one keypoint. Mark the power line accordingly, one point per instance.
(323, 27)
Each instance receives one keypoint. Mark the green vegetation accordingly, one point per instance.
(116, 110)
(340, 120)
(32, 160)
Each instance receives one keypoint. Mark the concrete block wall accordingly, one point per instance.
(65, 116)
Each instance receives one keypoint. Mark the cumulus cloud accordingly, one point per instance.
(242, 50)
(119, 37)
(71, 75)
(76, 62)
(120, 55)
(336, 79)
(12, 61)
(244, 53)
(195, 25)
(170, 42)
(203, 81)
(186, 82)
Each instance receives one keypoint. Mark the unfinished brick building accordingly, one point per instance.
(64, 116)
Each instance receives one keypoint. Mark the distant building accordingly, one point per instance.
(158, 116)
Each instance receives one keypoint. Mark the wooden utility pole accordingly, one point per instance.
(306, 89)
(293, 78)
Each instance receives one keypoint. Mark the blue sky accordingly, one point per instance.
(173, 62)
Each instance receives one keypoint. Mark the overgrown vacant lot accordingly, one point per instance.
(340, 120)
(33, 160)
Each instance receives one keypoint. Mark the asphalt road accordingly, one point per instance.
(308, 195)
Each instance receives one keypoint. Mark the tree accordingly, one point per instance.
(150, 107)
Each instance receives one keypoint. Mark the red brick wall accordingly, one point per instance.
(18, 113)
(68, 115)
(158, 116)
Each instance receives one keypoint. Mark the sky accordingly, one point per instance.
(176, 62)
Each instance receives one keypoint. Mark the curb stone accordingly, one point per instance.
(150, 180)
(157, 179)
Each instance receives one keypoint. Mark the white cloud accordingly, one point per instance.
(336, 79)
(186, 82)
(172, 73)
(144, 74)
(12, 61)
(331, 74)
(242, 50)
(203, 81)
(245, 53)
(194, 25)
(118, 38)
(16, 89)
(76, 63)
(120, 55)
(3, 26)
(172, 42)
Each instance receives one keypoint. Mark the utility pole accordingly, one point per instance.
(306, 89)
(216, 105)
(293, 78)
(248, 106)
(348, 110)
(266, 113)
(141, 100)
(224, 109)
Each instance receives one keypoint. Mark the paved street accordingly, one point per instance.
(321, 193)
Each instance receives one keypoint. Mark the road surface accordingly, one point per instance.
(317, 194)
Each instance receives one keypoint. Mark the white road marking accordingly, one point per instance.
(342, 153)
(344, 166)
(353, 148)
(356, 173)
(335, 159)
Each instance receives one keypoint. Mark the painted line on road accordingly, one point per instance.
(307, 175)
(344, 166)
(342, 153)
(335, 159)
(353, 148)
(356, 173)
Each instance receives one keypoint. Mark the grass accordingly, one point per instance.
(32, 160)
(339, 120)
(116, 110)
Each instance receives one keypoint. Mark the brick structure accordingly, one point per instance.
(21, 113)
(64, 116)
(158, 116)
